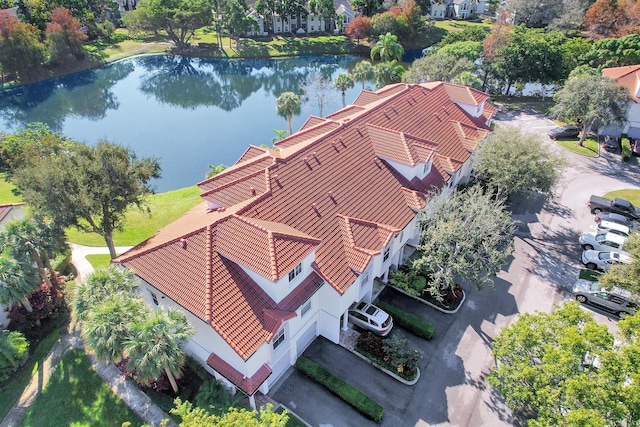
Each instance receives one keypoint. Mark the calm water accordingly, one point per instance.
(187, 112)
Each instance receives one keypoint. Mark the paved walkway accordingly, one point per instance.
(124, 387)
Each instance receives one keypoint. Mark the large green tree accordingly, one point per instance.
(154, 346)
(613, 52)
(387, 48)
(593, 101)
(99, 286)
(467, 236)
(64, 37)
(437, 67)
(179, 18)
(89, 188)
(288, 104)
(563, 368)
(515, 162)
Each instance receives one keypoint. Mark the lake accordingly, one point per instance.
(187, 112)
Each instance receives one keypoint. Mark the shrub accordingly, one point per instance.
(215, 398)
(46, 303)
(408, 280)
(626, 149)
(14, 352)
(400, 355)
(408, 321)
(351, 395)
(394, 353)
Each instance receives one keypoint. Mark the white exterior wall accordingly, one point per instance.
(277, 291)
(420, 170)
(473, 110)
(633, 114)
(438, 10)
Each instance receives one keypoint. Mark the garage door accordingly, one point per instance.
(306, 338)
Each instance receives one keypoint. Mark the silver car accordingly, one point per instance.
(616, 300)
(370, 317)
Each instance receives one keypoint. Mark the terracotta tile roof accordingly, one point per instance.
(465, 94)
(251, 153)
(307, 134)
(311, 188)
(270, 249)
(239, 170)
(247, 384)
(240, 190)
(394, 145)
(628, 77)
(312, 121)
(346, 112)
(6, 209)
(367, 97)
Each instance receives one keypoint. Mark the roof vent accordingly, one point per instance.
(183, 243)
(393, 107)
(315, 155)
(358, 130)
(253, 190)
(314, 207)
(306, 160)
(386, 115)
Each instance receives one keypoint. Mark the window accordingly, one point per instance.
(305, 309)
(365, 279)
(278, 339)
(293, 273)
(154, 297)
(386, 254)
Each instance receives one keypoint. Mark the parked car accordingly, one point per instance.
(617, 218)
(370, 317)
(615, 300)
(624, 207)
(613, 227)
(603, 260)
(602, 241)
(635, 147)
(610, 143)
(564, 132)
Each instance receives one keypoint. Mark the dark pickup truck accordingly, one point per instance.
(599, 204)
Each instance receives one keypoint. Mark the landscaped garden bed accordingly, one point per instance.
(392, 355)
(414, 284)
(351, 395)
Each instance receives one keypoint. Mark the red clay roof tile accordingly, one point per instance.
(247, 384)
(312, 186)
(628, 76)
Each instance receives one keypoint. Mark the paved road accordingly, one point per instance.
(452, 389)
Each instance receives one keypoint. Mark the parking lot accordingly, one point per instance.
(452, 389)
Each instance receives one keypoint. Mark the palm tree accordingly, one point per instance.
(287, 105)
(343, 82)
(387, 73)
(215, 170)
(363, 71)
(100, 285)
(388, 48)
(24, 237)
(108, 325)
(17, 281)
(155, 346)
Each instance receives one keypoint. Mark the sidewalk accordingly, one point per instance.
(128, 391)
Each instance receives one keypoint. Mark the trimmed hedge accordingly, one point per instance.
(351, 395)
(408, 321)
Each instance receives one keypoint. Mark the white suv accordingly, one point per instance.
(613, 227)
(602, 241)
(597, 260)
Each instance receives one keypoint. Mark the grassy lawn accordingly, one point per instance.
(631, 195)
(591, 275)
(99, 260)
(13, 388)
(76, 396)
(453, 25)
(522, 102)
(590, 146)
(6, 196)
(164, 207)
